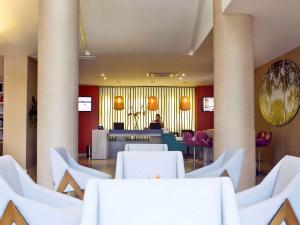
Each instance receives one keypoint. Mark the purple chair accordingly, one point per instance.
(263, 139)
(190, 142)
(205, 142)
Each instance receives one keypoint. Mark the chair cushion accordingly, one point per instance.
(143, 165)
(9, 173)
(290, 166)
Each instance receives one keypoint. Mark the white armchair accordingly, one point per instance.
(160, 202)
(36, 205)
(260, 204)
(146, 147)
(68, 175)
(229, 164)
(149, 164)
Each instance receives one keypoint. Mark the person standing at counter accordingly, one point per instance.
(158, 120)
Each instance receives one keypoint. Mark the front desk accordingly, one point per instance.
(107, 143)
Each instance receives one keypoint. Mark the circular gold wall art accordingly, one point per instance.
(279, 94)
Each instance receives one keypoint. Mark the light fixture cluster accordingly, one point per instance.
(103, 76)
(180, 76)
(185, 103)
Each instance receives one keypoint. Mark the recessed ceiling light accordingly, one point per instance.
(183, 74)
(102, 74)
(147, 74)
(171, 75)
(180, 78)
(104, 78)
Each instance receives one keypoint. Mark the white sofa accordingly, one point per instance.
(146, 147)
(149, 164)
(230, 161)
(160, 202)
(36, 204)
(61, 162)
(259, 204)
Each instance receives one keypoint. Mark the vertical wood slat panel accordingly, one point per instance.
(137, 97)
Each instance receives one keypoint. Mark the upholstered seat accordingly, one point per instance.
(173, 144)
(258, 205)
(160, 202)
(62, 162)
(146, 147)
(36, 204)
(149, 164)
(230, 161)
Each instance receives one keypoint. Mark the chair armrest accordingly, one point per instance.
(93, 172)
(207, 171)
(119, 167)
(36, 213)
(55, 199)
(82, 178)
(260, 192)
(261, 212)
(90, 207)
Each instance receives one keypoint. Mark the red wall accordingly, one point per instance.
(88, 120)
(204, 120)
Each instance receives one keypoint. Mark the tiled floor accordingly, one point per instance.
(109, 165)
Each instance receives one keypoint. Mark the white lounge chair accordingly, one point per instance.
(160, 202)
(22, 199)
(228, 164)
(261, 204)
(149, 164)
(68, 175)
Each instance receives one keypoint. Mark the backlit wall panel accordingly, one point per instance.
(135, 99)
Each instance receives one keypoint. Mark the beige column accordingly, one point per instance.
(234, 88)
(57, 81)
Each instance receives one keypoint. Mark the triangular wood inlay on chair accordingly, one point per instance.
(12, 215)
(225, 174)
(69, 180)
(285, 213)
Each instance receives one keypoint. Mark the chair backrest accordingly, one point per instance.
(289, 168)
(146, 147)
(269, 137)
(203, 139)
(10, 174)
(186, 136)
(160, 202)
(261, 134)
(149, 165)
(168, 138)
(232, 163)
(59, 164)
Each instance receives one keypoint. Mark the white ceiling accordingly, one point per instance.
(139, 26)
(133, 37)
(276, 26)
(123, 69)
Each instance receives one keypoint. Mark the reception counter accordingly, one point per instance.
(107, 143)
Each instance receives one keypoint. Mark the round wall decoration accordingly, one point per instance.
(279, 94)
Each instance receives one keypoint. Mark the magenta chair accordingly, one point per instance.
(263, 139)
(205, 142)
(190, 142)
